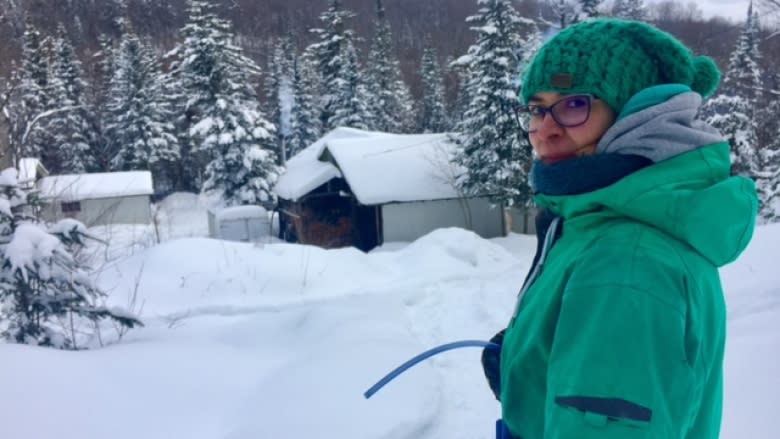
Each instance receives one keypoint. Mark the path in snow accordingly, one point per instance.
(461, 307)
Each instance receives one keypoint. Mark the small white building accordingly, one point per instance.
(362, 188)
(99, 198)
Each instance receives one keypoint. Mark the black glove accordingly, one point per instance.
(491, 364)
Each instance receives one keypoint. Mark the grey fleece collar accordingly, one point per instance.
(660, 132)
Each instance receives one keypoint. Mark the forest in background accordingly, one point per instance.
(216, 95)
(258, 24)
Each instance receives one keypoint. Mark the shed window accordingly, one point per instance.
(71, 207)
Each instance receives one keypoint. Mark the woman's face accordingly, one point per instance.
(554, 143)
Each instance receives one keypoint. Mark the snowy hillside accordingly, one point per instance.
(280, 341)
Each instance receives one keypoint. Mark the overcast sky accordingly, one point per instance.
(735, 10)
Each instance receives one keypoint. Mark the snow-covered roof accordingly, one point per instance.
(75, 187)
(306, 172)
(379, 167)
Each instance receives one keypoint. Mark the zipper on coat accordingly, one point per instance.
(549, 240)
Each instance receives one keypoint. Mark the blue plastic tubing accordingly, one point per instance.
(427, 354)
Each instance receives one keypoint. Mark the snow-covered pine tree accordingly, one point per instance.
(768, 180)
(433, 112)
(352, 95)
(565, 12)
(495, 157)
(138, 123)
(70, 129)
(735, 112)
(280, 95)
(304, 115)
(462, 98)
(223, 119)
(30, 98)
(769, 139)
(732, 116)
(104, 68)
(589, 9)
(104, 72)
(331, 50)
(744, 76)
(732, 109)
(46, 297)
(630, 9)
(390, 101)
(192, 85)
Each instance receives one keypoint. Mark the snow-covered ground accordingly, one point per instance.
(274, 340)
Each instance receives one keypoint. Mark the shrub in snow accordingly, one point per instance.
(45, 295)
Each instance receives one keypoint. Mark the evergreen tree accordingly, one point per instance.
(565, 12)
(589, 9)
(101, 89)
(31, 98)
(280, 94)
(222, 118)
(743, 77)
(768, 181)
(433, 113)
(495, 157)
(353, 96)
(735, 112)
(193, 84)
(70, 129)
(732, 116)
(732, 109)
(630, 9)
(138, 123)
(332, 52)
(390, 102)
(45, 294)
(304, 115)
(462, 98)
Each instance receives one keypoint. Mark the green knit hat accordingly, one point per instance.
(614, 59)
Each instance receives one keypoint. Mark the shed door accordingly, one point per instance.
(367, 223)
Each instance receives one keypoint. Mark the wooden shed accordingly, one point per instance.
(362, 189)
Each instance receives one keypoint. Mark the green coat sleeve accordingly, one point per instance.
(618, 367)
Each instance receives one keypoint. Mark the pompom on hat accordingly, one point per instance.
(614, 59)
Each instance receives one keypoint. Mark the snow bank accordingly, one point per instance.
(280, 341)
(184, 215)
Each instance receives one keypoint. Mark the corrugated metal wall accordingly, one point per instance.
(409, 221)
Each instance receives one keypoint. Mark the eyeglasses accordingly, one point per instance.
(568, 112)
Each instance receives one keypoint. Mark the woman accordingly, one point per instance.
(619, 329)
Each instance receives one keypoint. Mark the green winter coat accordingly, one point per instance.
(622, 333)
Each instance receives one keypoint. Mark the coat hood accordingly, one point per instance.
(690, 196)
